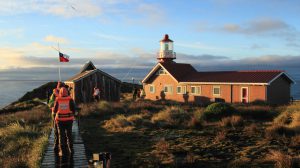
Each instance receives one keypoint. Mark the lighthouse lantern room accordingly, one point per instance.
(166, 52)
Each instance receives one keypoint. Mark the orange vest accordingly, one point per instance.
(63, 112)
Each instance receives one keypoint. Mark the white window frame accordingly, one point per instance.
(199, 90)
(213, 91)
(171, 88)
(182, 89)
(247, 94)
(152, 86)
(161, 71)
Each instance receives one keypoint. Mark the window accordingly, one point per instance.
(196, 90)
(216, 90)
(168, 89)
(181, 89)
(152, 89)
(161, 72)
(166, 47)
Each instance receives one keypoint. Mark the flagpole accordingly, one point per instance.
(59, 75)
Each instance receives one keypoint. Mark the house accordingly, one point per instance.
(183, 83)
(82, 84)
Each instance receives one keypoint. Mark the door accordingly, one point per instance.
(245, 95)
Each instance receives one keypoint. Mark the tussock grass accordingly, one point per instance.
(138, 106)
(277, 130)
(171, 117)
(281, 160)
(104, 106)
(121, 123)
(23, 137)
(96, 109)
(118, 123)
(197, 119)
(287, 123)
(233, 121)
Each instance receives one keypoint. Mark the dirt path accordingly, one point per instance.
(79, 159)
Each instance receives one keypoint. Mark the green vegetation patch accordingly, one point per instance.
(23, 137)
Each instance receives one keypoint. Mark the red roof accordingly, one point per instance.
(166, 39)
(178, 70)
(232, 76)
(187, 73)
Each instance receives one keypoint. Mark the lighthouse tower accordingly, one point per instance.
(166, 53)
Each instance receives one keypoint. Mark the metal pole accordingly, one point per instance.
(59, 75)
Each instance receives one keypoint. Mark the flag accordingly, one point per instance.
(63, 57)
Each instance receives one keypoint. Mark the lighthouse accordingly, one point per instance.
(166, 53)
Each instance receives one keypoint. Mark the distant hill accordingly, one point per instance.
(28, 100)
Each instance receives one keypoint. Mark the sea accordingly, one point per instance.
(14, 84)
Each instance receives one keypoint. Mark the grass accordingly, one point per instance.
(173, 116)
(281, 160)
(24, 136)
(150, 134)
(233, 121)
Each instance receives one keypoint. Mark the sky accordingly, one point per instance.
(120, 34)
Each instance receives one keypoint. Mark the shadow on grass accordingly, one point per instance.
(124, 146)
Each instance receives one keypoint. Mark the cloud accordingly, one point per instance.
(55, 39)
(258, 26)
(75, 8)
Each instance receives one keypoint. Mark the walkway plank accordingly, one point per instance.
(79, 158)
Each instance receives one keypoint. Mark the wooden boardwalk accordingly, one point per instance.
(79, 159)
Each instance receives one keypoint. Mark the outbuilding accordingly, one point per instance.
(82, 85)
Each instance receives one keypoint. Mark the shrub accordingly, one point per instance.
(171, 117)
(216, 111)
(257, 112)
(232, 121)
(281, 160)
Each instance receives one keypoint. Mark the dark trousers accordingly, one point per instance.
(55, 129)
(65, 137)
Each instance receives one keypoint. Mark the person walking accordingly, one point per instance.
(51, 103)
(143, 94)
(64, 110)
(134, 94)
(96, 94)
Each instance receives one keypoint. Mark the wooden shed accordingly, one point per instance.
(82, 85)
